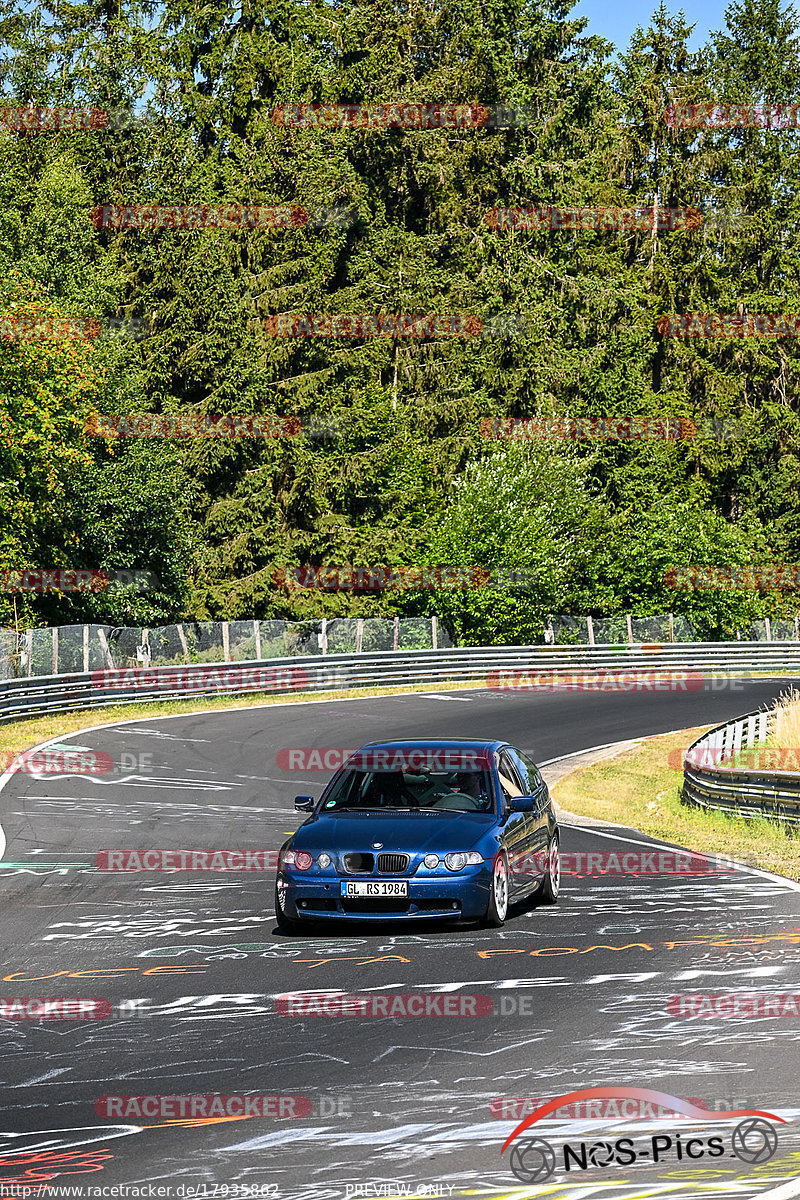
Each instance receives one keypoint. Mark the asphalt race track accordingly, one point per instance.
(191, 964)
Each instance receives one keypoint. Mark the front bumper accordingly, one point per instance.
(462, 896)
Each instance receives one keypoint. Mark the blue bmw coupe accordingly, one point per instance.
(407, 830)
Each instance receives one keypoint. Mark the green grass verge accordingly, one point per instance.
(640, 788)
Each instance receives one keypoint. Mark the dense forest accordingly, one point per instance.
(392, 464)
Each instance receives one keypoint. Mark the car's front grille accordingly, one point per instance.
(359, 864)
(393, 864)
(375, 904)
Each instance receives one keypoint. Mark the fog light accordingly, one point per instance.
(431, 861)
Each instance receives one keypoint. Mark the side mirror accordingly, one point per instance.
(303, 803)
(521, 804)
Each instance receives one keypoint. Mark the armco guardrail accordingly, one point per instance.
(749, 792)
(643, 667)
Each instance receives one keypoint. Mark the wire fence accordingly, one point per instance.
(65, 649)
(622, 629)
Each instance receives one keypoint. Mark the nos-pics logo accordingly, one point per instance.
(534, 1160)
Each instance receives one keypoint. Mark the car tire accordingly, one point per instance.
(285, 924)
(551, 884)
(497, 908)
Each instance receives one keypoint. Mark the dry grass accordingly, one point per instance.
(787, 722)
(641, 788)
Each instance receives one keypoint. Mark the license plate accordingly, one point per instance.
(382, 887)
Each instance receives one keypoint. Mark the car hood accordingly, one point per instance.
(408, 831)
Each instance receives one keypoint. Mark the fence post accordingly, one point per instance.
(768, 628)
(590, 630)
(551, 637)
(396, 637)
(85, 649)
(630, 629)
(257, 632)
(226, 642)
(105, 648)
(55, 649)
(672, 627)
(29, 650)
(435, 632)
(796, 628)
(359, 634)
(323, 636)
(182, 636)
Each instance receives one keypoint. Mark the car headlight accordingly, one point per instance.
(458, 860)
(300, 859)
(324, 860)
(431, 861)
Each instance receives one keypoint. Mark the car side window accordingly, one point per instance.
(509, 777)
(534, 774)
(528, 784)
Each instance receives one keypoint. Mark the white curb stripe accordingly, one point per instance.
(784, 1192)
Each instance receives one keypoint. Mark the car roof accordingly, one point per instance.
(478, 744)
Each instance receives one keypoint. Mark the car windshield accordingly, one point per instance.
(442, 790)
